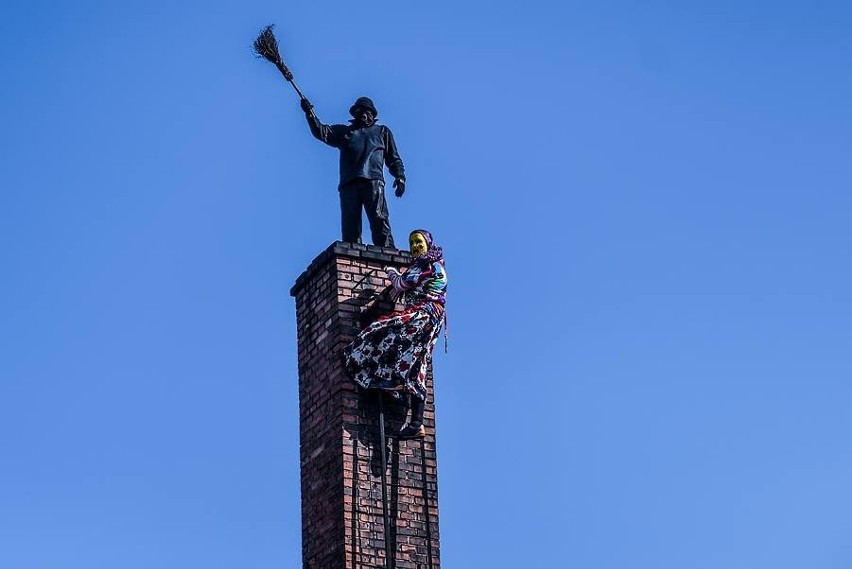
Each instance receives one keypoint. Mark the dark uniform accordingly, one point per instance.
(364, 151)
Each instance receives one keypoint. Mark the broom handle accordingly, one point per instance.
(296, 87)
(301, 96)
(288, 75)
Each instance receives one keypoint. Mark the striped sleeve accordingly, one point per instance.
(409, 279)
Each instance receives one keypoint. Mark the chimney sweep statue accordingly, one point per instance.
(365, 148)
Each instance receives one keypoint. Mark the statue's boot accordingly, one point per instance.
(415, 429)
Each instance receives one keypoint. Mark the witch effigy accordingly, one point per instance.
(395, 352)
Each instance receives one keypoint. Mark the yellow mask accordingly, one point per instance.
(417, 244)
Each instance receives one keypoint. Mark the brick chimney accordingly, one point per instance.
(340, 292)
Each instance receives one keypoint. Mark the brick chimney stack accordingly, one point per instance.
(339, 293)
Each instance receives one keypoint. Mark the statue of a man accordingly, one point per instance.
(365, 147)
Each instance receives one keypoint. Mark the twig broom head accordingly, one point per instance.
(266, 46)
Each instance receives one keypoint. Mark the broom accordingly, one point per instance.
(266, 46)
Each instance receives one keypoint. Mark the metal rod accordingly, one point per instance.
(383, 440)
(367, 274)
(356, 495)
(425, 488)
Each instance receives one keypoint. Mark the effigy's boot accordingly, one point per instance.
(415, 428)
(386, 384)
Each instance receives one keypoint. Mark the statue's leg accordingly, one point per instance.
(377, 214)
(350, 212)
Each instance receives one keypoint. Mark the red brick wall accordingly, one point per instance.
(342, 522)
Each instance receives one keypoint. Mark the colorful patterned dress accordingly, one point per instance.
(396, 350)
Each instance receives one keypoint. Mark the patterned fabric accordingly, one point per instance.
(396, 350)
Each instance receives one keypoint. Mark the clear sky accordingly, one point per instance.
(645, 207)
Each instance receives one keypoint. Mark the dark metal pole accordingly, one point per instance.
(356, 495)
(425, 489)
(388, 563)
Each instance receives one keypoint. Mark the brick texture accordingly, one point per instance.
(340, 292)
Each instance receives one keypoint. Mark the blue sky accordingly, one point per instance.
(645, 208)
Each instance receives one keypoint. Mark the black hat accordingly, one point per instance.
(365, 102)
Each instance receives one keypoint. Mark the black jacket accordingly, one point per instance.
(363, 150)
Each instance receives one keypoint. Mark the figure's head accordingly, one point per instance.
(419, 242)
(364, 111)
(423, 249)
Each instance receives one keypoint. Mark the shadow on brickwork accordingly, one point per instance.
(366, 307)
(367, 435)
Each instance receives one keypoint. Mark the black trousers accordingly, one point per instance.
(369, 194)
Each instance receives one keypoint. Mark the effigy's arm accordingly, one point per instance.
(408, 279)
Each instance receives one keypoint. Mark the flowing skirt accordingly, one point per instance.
(395, 351)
